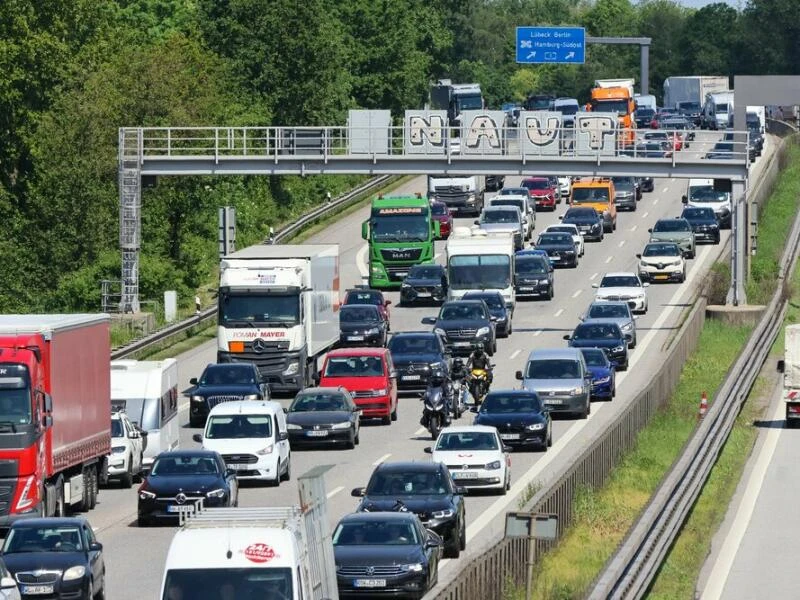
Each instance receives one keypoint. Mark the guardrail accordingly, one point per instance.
(208, 315)
(632, 569)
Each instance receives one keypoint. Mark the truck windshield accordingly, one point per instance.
(471, 102)
(253, 583)
(249, 310)
(144, 412)
(589, 195)
(401, 228)
(15, 395)
(479, 272)
(721, 108)
(707, 194)
(615, 106)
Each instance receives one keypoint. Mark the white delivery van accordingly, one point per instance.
(236, 553)
(252, 438)
(147, 391)
(700, 193)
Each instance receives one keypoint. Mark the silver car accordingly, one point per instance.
(675, 230)
(616, 312)
(560, 378)
(503, 219)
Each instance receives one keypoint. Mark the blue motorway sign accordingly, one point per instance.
(536, 45)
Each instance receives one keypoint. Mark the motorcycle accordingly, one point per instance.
(478, 385)
(434, 411)
(460, 395)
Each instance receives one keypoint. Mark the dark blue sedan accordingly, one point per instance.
(604, 384)
(519, 416)
(605, 335)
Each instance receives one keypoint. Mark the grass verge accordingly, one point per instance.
(184, 345)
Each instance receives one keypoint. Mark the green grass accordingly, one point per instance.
(184, 345)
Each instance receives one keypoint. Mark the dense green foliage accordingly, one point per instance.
(73, 71)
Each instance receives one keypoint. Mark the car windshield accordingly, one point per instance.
(233, 427)
(509, 202)
(468, 440)
(117, 431)
(252, 583)
(705, 214)
(413, 344)
(661, 250)
(595, 357)
(620, 281)
(375, 533)
(364, 298)
(425, 272)
(462, 312)
(422, 482)
(556, 368)
(669, 225)
(43, 539)
(596, 331)
(228, 375)
(439, 209)
(517, 191)
(554, 238)
(317, 402)
(500, 216)
(581, 213)
(531, 265)
(171, 464)
(536, 184)
(706, 193)
(510, 404)
(492, 300)
(608, 310)
(589, 194)
(354, 366)
(358, 314)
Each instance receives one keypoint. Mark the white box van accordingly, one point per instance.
(700, 193)
(234, 553)
(252, 438)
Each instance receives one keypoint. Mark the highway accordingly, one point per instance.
(135, 557)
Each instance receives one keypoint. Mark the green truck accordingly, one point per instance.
(400, 233)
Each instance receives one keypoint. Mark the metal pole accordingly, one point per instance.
(529, 579)
(645, 68)
(736, 294)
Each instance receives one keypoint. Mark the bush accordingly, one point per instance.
(718, 283)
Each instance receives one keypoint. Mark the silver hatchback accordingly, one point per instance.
(560, 378)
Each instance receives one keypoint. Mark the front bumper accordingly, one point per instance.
(533, 288)
(653, 273)
(466, 346)
(563, 403)
(594, 234)
(161, 509)
(602, 390)
(479, 478)
(626, 202)
(75, 589)
(300, 437)
(544, 202)
(707, 235)
(521, 436)
(251, 466)
(117, 465)
(636, 304)
(403, 585)
(567, 258)
(374, 407)
(409, 294)
(361, 339)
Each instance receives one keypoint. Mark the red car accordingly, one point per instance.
(364, 295)
(440, 212)
(541, 191)
(369, 375)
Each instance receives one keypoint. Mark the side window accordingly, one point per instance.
(89, 534)
(299, 585)
(275, 426)
(169, 404)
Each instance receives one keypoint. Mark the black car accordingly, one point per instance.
(224, 383)
(724, 151)
(533, 276)
(427, 490)
(424, 283)
(647, 184)
(323, 416)
(588, 221)
(362, 325)
(625, 193)
(464, 324)
(643, 117)
(519, 416)
(608, 336)
(56, 557)
(414, 355)
(498, 309)
(179, 479)
(754, 144)
(560, 247)
(495, 183)
(704, 224)
(385, 554)
(653, 150)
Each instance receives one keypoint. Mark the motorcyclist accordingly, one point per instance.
(438, 380)
(480, 360)
(458, 370)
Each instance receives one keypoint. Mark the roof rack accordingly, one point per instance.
(198, 517)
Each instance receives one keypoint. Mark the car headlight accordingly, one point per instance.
(380, 392)
(575, 391)
(250, 397)
(676, 263)
(198, 399)
(292, 369)
(293, 426)
(377, 269)
(603, 380)
(342, 425)
(493, 466)
(627, 327)
(145, 495)
(482, 331)
(372, 331)
(265, 451)
(436, 365)
(443, 514)
(218, 493)
(440, 331)
(117, 449)
(535, 427)
(75, 572)
(643, 264)
(618, 349)
(595, 226)
(641, 294)
(412, 568)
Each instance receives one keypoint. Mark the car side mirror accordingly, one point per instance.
(387, 302)
(646, 284)
(518, 375)
(47, 421)
(684, 199)
(560, 217)
(230, 473)
(460, 490)
(315, 377)
(8, 583)
(507, 448)
(433, 542)
(285, 410)
(134, 435)
(596, 285)
(283, 436)
(193, 381)
(567, 337)
(198, 437)
(650, 230)
(95, 546)
(427, 450)
(477, 222)
(358, 492)
(429, 320)
(638, 256)
(781, 366)
(493, 318)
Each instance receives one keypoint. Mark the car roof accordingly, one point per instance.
(257, 407)
(323, 390)
(380, 516)
(49, 522)
(408, 465)
(620, 274)
(339, 352)
(552, 353)
(469, 429)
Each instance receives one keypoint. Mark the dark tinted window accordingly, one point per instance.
(320, 402)
(661, 250)
(180, 464)
(557, 368)
(357, 314)
(407, 344)
(671, 225)
(554, 238)
(422, 482)
(536, 184)
(594, 357)
(228, 374)
(594, 331)
(511, 403)
(425, 272)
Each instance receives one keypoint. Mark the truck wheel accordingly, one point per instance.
(127, 479)
(94, 487)
(288, 474)
(85, 503)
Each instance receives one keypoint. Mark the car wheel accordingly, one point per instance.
(357, 439)
(550, 435)
(386, 420)
(101, 593)
(393, 416)
(127, 479)
(692, 254)
(462, 538)
(287, 475)
(614, 390)
(351, 443)
(195, 421)
(142, 522)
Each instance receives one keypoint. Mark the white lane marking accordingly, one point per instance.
(559, 312)
(622, 243)
(593, 276)
(655, 201)
(382, 459)
(515, 354)
(722, 566)
(632, 229)
(577, 293)
(420, 431)
(609, 259)
(664, 191)
(644, 216)
(334, 491)
(361, 261)
(537, 333)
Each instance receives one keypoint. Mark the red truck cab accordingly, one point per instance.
(369, 375)
(541, 191)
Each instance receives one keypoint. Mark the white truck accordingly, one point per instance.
(480, 261)
(464, 194)
(645, 101)
(790, 367)
(717, 110)
(681, 91)
(147, 392)
(279, 309)
(613, 83)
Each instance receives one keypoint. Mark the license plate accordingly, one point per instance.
(355, 338)
(237, 467)
(317, 433)
(465, 475)
(37, 589)
(412, 377)
(553, 401)
(526, 289)
(509, 436)
(401, 274)
(369, 583)
(423, 295)
(662, 277)
(555, 258)
(177, 509)
(462, 344)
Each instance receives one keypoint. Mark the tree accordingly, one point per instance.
(770, 40)
(710, 40)
(663, 21)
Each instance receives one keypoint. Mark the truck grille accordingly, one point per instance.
(266, 346)
(374, 571)
(240, 459)
(396, 273)
(6, 494)
(401, 254)
(212, 401)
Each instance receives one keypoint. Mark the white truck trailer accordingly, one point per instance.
(790, 367)
(717, 110)
(480, 261)
(691, 89)
(462, 194)
(279, 309)
(614, 83)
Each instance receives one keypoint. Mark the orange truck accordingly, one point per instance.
(597, 193)
(616, 95)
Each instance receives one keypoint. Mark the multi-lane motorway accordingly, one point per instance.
(135, 557)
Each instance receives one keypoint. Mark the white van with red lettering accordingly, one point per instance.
(238, 553)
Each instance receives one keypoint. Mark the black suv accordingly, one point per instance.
(427, 490)
(414, 355)
(560, 247)
(464, 324)
(223, 383)
(362, 325)
(424, 283)
(704, 223)
(588, 221)
(497, 308)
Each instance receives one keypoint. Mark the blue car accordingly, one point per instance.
(604, 374)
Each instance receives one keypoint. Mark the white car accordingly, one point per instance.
(577, 236)
(662, 261)
(8, 585)
(128, 443)
(475, 456)
(623, 287)
(564, 186)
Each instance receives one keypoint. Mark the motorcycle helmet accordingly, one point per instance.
(458, 364)
(437, 377)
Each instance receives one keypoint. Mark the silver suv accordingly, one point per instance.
(560, 378)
